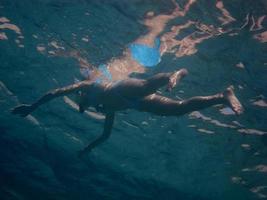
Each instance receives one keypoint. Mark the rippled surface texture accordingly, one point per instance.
(210, 154)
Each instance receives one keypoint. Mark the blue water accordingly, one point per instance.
(147, 156)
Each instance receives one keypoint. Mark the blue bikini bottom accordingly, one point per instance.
(145, 55)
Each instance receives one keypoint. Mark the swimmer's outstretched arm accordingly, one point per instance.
(25, 109)
(105, 135)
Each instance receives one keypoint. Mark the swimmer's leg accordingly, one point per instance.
(136, 88)
(175, 78)
(159, 80)
(233, 101)
(105, 135)
(164, 106)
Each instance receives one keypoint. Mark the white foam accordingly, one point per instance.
(205, 131)
(252, 131)
(260, 103)
(3, 36)
(33, 120)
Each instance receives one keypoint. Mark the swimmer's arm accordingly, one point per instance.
(105, 135)
(61, 92)
(24, 109)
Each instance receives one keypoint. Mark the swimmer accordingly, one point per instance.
(136, 94)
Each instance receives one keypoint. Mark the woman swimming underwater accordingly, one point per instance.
(138, 94)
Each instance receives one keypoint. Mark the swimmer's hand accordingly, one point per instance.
(23, 110)
(83, 152)
(100, 108)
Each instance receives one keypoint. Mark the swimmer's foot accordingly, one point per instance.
(176, 77)
(232, 100)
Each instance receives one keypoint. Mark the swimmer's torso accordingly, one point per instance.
(102, 94)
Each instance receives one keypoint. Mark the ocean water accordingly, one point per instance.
(208, 154)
